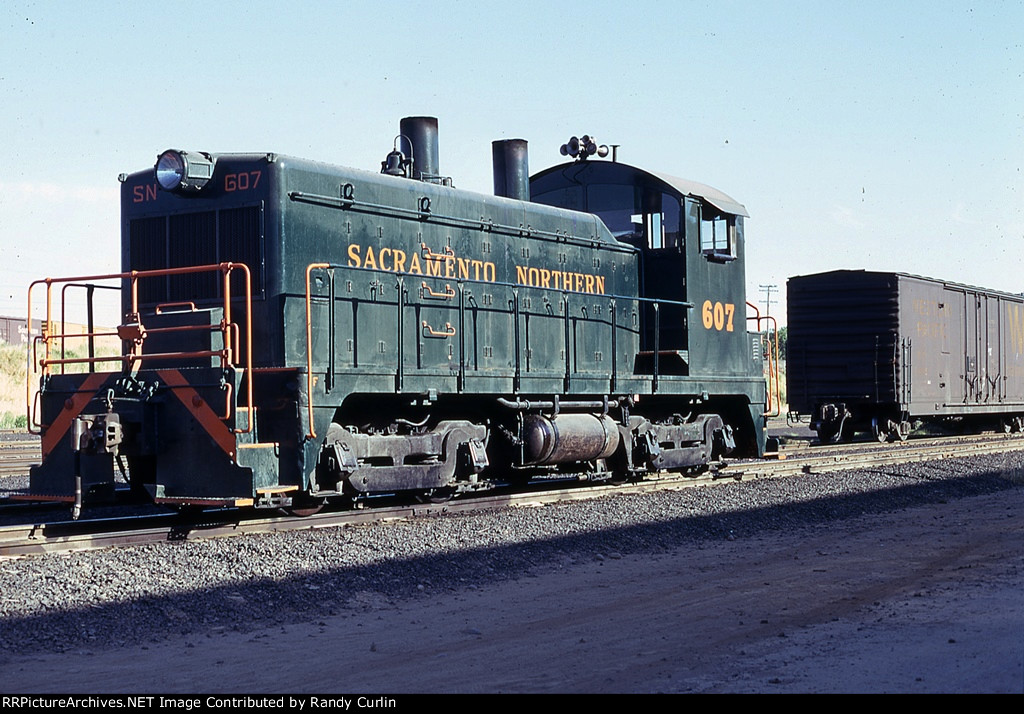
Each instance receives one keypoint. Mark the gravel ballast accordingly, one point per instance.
(132, 595)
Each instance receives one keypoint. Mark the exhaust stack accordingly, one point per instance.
(421, 133)
(510, 161)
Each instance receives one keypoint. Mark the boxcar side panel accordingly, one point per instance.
(843, 339)
(1012, 341)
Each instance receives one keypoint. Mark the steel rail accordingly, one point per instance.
(16, 457)
(30, 539)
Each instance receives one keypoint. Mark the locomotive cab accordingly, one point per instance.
(690, 240)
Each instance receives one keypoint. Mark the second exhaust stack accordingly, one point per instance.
(510, 160)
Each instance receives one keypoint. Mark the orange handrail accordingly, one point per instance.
(132, 326)
(311, 431)
(773, 363)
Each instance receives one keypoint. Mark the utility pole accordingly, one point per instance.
(768, 289)
(770, 364)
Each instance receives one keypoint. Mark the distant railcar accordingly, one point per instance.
(870, 351)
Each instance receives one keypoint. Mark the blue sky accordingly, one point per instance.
(877, 135)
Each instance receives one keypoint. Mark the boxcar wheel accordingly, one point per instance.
(902, 431)
(879, 431)
(1011, 424)
(846, 432)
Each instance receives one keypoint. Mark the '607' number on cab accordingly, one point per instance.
(718, 315)
(241, 181)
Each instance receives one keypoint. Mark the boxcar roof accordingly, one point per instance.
(946, 283)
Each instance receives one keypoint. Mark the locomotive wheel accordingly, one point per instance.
(305, 507)
(619, 477)
(436, 495)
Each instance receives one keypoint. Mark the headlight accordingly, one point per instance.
(183, 170)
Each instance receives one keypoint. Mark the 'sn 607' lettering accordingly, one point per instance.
(143, 193)
(718, 315)
(242, 181)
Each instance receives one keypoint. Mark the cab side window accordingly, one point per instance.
(717, 234)
(665, 225)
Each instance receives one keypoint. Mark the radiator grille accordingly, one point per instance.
(202, 238)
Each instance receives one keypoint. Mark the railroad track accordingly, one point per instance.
(17, 453)
(35, 538)
(863, 454)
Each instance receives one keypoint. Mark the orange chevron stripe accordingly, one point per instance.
(207, 418)
(72, 408)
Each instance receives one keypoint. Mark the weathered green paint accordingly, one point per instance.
(437, 291)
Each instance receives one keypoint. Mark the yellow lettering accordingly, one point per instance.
(399, 261)
(1013, 314)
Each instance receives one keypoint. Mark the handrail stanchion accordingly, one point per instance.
(773, 363)
(311, 431)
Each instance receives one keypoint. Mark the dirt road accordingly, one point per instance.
(928, 599)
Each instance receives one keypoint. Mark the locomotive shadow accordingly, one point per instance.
(265, 602)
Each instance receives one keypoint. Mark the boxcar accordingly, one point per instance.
(880, 351)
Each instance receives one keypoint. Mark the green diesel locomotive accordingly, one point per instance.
(295, 331)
